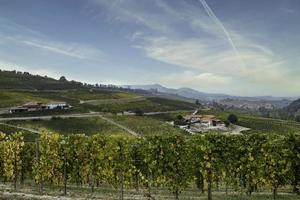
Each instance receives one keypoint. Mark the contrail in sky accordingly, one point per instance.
(219, 23)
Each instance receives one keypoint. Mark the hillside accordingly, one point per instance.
(25, 80)
(18, 88)
(293, 107)
(195, 94)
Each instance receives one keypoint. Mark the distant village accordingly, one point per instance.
(38, 106)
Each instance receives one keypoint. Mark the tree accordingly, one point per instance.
(232, 118)
(179, 117)
(139, 112)
(179, 120)
(63, 79)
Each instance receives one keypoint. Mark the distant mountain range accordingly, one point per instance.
(194, 94)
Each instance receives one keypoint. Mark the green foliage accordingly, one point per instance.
(70, 126)
(146, 125)
(76, 151)
(232, 118)
(242, 162)
(11, 155)
(268, 125)
(47, 165)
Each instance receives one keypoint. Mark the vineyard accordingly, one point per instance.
(153, 167)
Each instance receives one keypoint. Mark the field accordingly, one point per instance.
(86, 126)
(143, 125)
(268, 125)
(18, 97)
(83, 101)
(146, 125)
(259, 124)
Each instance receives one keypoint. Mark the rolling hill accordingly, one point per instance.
(25, 80)
(294, 106)
(195, 94)
(18, 88)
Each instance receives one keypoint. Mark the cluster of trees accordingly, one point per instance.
(242, 162)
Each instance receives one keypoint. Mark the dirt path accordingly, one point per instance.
(119, 125)
(35, 196)
(104, 101)
(47, 117)
(238, 129)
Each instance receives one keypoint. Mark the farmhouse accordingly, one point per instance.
(202, 123)
(56, 105)
(17, 110)
(207, 120)
(35, 106)
(32, 106)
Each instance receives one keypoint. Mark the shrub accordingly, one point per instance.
(232, 118)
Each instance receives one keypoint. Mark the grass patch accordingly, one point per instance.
(151, 104)
(87, 126)
(146, 125)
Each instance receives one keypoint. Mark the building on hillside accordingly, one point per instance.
(206, 120)
(56, 105)
(35, 106)
(17, 110)
(32, 106)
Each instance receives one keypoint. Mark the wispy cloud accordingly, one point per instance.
(216, 20)
(75, 50)
(45, 71)
(35, 39)
(211, 55)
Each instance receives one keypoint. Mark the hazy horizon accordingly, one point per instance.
(245, 48)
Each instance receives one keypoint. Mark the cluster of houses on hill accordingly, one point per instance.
(37, 106)
(202, 123)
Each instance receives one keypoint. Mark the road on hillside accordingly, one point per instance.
(119, 125)
(82, 115)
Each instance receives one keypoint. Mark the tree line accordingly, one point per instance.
(238, 162)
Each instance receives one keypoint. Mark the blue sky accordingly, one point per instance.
(227, 46)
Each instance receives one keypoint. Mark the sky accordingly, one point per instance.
(248, 48)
